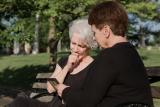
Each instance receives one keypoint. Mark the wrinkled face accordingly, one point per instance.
(77, 46)
(99, 36)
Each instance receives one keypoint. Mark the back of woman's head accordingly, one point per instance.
(83, 29)
(109, 13)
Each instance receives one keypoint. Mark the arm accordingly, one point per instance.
(98, 81)
(56, 72)
(60, 73)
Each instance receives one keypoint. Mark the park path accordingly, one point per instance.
(4, 100)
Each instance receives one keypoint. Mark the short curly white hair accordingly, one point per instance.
(81, 27)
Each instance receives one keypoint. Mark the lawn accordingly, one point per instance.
(20, 71)
(151, 57)
(18, 61)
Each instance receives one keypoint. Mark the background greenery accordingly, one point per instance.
(54, 16)
(20, 71)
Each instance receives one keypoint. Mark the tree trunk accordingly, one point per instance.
(36, 38)
(16, 47)
(142, 38)
(27, 48)
(51, 34)
(143, 44)
(52, 41)
(59, 47)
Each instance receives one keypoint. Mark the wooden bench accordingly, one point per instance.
(39, 88)
(42, 94)
(154, 76)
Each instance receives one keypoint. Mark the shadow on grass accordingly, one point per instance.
(1, 56)
(12, 80)
(144, 57)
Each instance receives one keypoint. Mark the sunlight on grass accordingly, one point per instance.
(156, 102)
(150, 57)
(15, 61)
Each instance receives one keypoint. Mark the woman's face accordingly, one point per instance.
(99, 36)
(77, 46)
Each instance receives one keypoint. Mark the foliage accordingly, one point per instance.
(11, 9)
(143, 10)
(5, 39)
(22, 8)
(63, 11)
(43, 33)
(24, 27)
(125, 2)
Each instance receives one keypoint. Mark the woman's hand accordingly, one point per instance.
(60, 88)
(50, 89)
(73, 61)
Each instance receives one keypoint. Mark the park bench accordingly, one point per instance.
(39, 87)
(154, 76)
(42, 94)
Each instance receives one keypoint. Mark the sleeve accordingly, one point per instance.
(98, 81)
(62, 62)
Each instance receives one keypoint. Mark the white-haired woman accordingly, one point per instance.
(71, 70)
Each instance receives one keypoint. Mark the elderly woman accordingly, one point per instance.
(71, 70)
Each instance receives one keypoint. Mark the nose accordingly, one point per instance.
(75, 49)
(94, 38)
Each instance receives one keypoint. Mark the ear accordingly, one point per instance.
(106, 31)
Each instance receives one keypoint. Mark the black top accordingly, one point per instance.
(74, 80)
(117, 76)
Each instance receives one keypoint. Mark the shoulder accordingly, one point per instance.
(63, 61)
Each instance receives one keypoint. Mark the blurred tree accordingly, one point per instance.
(12, 9)
(61, 13)
(55, 15)
(145, 11)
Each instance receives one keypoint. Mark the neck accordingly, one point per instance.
(115, 39)
(85, 58)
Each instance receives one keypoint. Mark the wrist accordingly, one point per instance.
(67, 68)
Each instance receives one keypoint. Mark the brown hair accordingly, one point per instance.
(109, 13)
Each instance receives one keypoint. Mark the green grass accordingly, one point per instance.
(20, 71)
(150, 57)
(19, 61)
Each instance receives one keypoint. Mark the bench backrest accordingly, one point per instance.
(154, 76)
(41, 93)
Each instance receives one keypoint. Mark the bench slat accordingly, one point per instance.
(42, 98)
(43, 75)
(39, 85)
(153, 71)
